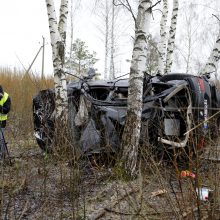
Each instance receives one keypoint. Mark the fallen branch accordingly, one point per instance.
(103, 211)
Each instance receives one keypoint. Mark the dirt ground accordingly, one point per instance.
(42, 186)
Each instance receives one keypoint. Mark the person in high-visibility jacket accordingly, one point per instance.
(5, 105)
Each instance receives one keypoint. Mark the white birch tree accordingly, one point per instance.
(211, 65)
(171, 39)
(103, 10)
(106, 39)
(196, 37)
(163, 39)
(191, 34)
(58, 39)
(131, 134)
(112, 64)
(71, 27)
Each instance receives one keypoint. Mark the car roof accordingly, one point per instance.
(101, 83)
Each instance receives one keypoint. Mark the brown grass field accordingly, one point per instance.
(21, 88)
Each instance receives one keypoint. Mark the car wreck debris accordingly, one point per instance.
(172, 106)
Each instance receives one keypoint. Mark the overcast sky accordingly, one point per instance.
(24, 22)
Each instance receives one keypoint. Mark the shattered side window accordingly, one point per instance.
(99, 93)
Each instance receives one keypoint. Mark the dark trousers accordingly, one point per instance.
(2, 144)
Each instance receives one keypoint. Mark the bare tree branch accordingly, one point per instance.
(155, 4)
(130, 9)
(216, 17)
(127, 6)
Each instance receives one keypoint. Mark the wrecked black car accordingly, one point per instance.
(176, 109)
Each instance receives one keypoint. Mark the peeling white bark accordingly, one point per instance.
(106, 39)
(171, 40)
(163, 39)
(63, 19)
(112, 64)
(71, 29)
(131, 135)
(211, 65)
(58, 53)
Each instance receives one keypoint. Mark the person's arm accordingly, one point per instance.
(6, 107)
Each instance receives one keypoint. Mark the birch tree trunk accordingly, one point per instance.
(131, 134)
(171, 40)
(211, 65)
(112, 66)
(63, 20)
(163, 39)
(106, 39)
(71, 28)
(58, 36)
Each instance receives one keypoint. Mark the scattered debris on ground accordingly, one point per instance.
(40, 186)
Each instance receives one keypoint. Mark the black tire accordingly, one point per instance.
(202, 101)
(175, 76)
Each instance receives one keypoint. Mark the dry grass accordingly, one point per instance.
(21, 88)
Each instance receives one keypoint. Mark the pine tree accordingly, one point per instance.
(80, 59)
